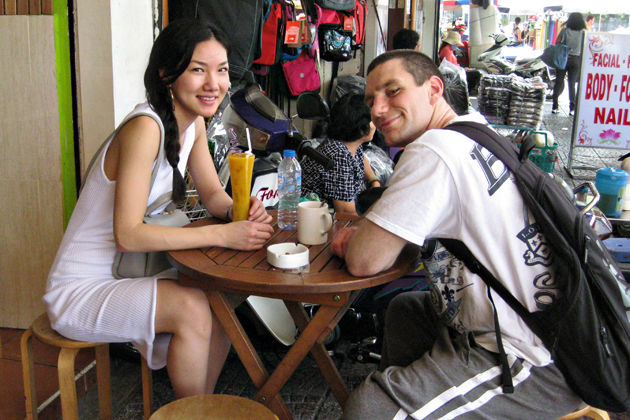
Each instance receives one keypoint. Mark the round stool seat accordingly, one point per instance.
(585, 410)
(580, 412)
(213, 407)
(44, 332)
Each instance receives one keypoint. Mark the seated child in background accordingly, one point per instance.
(349, 128)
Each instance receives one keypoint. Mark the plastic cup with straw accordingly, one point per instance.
(241, 170)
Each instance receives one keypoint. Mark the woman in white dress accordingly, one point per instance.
(186, 80)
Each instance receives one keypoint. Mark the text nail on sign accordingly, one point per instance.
(602, 117)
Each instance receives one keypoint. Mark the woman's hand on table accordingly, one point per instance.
(257, 212)
(339, 244)
(245, 235)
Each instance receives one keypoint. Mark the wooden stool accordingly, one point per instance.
(214, 407)
(67, 388)
(587, 411)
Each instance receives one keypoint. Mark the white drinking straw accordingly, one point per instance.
(249, 142)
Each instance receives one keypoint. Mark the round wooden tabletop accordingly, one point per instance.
(249, 272)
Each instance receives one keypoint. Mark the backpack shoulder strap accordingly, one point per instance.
(504, 150)
(508, 153)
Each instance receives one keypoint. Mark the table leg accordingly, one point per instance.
(320, 354)
(246, 352)
(311, 337)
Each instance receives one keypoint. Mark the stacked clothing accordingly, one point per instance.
(512, 100)
(526, 102)
(494, 98)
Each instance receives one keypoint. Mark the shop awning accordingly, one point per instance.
(454, 5)
(519, 7)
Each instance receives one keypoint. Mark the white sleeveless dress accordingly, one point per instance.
(84, 300)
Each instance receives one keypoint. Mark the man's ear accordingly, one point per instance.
(436, 89)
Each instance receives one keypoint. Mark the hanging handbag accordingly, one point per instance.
(335, 43)
(145, 264)
(301, 74)
(557, 55)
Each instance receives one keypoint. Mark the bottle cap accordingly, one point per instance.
(288, 153)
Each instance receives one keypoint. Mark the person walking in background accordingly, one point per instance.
(590, 21)
(517, 34)
(571, 35)
(406, 39)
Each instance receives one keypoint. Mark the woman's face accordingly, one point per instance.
(204, 83)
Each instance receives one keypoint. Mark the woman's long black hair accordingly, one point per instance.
(575, 21)
(170, 56)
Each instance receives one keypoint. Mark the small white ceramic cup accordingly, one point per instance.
(314, 222)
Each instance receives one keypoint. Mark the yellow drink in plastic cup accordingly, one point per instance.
(241, 169)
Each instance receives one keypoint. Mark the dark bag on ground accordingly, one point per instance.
(587, 331)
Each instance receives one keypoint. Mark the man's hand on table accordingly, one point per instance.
(339, 243)
(368, 248)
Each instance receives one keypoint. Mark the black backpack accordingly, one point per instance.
(587, 331)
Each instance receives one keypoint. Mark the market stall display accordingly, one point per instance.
(512, 100)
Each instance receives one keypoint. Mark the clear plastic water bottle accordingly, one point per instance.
(289, 190)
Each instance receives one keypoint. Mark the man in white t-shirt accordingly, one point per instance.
(440, 354)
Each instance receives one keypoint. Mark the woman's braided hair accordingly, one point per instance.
(170, 56)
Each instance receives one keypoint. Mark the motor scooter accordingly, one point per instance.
(251, 113)
(494, 63)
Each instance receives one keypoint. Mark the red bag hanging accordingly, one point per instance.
(330, 16)
(301, 74)
(360, 20)
(270, 37)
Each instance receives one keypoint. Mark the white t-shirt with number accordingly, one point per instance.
(447, 186)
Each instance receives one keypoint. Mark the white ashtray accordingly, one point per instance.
(287, 255)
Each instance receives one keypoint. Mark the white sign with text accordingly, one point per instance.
(602, 118)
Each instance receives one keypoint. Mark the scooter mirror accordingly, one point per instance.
(310, 106)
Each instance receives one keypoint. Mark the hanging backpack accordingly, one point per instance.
(360, 19)
(273, 29)
(336, 4)
(335, 43)
(587, 330)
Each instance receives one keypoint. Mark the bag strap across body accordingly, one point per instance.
(509, 154)
(164, 198)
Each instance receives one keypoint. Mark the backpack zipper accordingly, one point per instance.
(603, 333)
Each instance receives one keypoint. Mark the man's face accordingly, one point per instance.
(400, 109)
